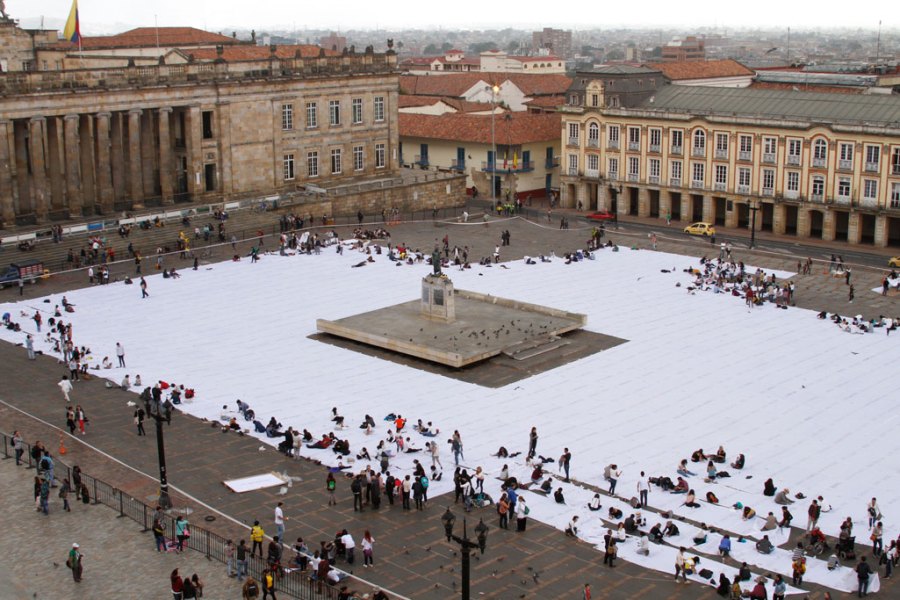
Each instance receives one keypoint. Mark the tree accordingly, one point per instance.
(512, 47)
(615, 55)
(479, 47)
(430, 50)
(446, 47)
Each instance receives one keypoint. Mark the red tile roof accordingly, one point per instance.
(463, 106)
(530, 59)
(456, 84)
(146, 37)
(701, 69)
(519, 128)
(239, 53)
(828, 89)
(547, 101)
(407, 101)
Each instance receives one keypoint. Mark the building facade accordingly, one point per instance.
(82, 142)
(802, 163)
(557, 41)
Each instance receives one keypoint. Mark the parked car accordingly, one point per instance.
(894, 262)
(28, 271)
(601, 215)
(700, 229)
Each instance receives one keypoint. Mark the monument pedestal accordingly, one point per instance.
(437, 298)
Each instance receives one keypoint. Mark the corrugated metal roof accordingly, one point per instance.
(777, 104)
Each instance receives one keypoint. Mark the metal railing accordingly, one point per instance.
(296, 584)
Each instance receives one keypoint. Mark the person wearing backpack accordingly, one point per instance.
(330, 485)
(250, 591)
(389, 485)
(356, 488)
(424, 481)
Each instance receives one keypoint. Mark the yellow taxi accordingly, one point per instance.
(894, 262)
(700, 229)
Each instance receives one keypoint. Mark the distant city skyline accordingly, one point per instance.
(105, 16)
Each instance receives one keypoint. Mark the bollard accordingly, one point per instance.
(121, 504)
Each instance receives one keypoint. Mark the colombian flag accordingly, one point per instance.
(72, 32)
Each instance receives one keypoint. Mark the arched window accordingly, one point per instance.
(699, 141)
(594, 133)
(820, 149)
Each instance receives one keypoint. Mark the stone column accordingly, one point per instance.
(86, 151)
(881, 231)
(828, 225)
(602, 197)
(149, 154)
(854, 229)
(708, 213)
(779, 218)
(193, 124)
(74, 198)
(623, 202)
(687, 211)
(643, 202)
(166, 163)
(731, 216)
(105, 193)
(36, 128)
(135, 166)
(7, 203)
(803, 222)
(54, 159)
(665, 203)
(117, 156)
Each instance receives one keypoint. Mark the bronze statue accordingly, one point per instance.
(436, 262)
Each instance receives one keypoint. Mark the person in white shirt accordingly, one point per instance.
(349, 545)
(66, 386)
(279, 521)
(643, 488)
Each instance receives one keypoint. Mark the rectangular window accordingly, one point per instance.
(207, 117)
(613, 133)
(770, 146)
(573, 164)
(287, 117)
(336, 162)
(634, 166)
(721, 174)
(634, 136)
(698, 173)
(356, 111)
(793, 181)
(677, 140)
(593, 162)
(846, 152)
(379, 109)
(288, 167)
(873, 157)
(722, 142)
(843, 187)
(573, 134)
(676, 170)
(595, 100)
(613, 168)
(744, 177)
(334, 112)
(768, 179)
(794, 148)
(746, 142)
(653, 166)
(895, 161)
(870, 189)
(312, 115)
(655, 139)
(895, 195)
(358, 163)
(818, 187)
(379, 156)
(312, 164)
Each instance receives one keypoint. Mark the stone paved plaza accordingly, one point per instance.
(412, 558)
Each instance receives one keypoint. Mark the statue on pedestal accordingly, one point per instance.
(436, 262)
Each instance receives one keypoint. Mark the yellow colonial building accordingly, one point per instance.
(814, 164)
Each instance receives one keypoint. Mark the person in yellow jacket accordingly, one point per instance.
(256, 535)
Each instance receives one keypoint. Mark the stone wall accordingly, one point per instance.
(15, 47)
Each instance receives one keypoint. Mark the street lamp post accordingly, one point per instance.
(753, 209)
(156, 411)
(495, 89)
(466, 545)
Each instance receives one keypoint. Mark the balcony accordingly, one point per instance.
(674, 181)
(612, 144)
(676, 150)
(745, 155)
(573, 141)
(792, 194)
(654, 179)
(721, 154)
(818, 163)
(592, 173)
(458, 165)
(769, 157)
(871, 167)
(842, 200)
(654, 148)
(572, 172)
(508, 166)
(869, 202)
(793, 160)
(551, 163)
(743, 189)
(593, 143)
(633, 177)
(697, 185)
(634, 146)
(817, 197)
(845, 165)
(698, 151)
(768, 192)
(720, 186)
(422, 161)
(613, 175)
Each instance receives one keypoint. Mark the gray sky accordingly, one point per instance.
(112, 15)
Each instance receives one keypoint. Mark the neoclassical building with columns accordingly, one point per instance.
(814, 165)
(232, 123)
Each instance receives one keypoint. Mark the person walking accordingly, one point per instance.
(850, 294)
(65, 386)
(64, 489)
(80, 418)
(120, 354)
(250, 591)
(74, 562)
(256, 536)
(679, 565)
(532, 442)
(643, 488)
(874, 512)
(29, 346)
(241, 556)
(182, 531)
(863, 571)
(356, 488)
(457, 446)
(139, 416)
(279, 520)
(268, 584)
(813, 513)
(435, 455)
(368, 544)
(503, 510)
(144, 292)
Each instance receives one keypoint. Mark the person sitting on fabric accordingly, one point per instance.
(367, 423)
(572, 528)
(656, 534)
(643, 545)
(744, 573)
(681, 486)
(671, 529)
(322, 444)
(711, 471)
(771, 522)
(725, 546)
(558, 496)
(537, 474)
(615, 513)
(719, 456)
(233, 424)
(786, 517)
(698, 455)
(769, 487)
(690, 499)
(764, 546)
(748, 513)
(683, 469)
(594, 504)
(341, 447)
(363, 455)
(738, 463)
(547, 485)
(630, 526)
(782, 497)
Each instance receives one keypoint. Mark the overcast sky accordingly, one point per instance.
(104, 15)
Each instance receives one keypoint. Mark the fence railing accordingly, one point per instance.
(297, 584)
